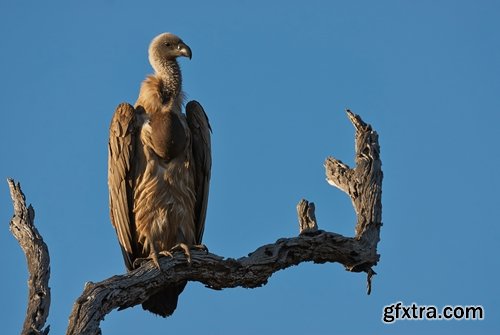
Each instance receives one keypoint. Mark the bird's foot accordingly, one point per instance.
(183, 247)
(166, 253)
(138, 262)
(153, 256)
(200, 247)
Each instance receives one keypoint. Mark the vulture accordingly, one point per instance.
(159, 163)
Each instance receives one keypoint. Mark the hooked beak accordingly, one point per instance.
(184, 50)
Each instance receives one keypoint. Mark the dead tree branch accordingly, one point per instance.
(307, 217)
(363, 184)
(358, 254)
(37, 257)
(98, 299)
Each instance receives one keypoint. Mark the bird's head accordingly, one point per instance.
(167, 47)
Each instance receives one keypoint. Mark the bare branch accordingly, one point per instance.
(98, 299)
(37, 258)
(307, 217)
(363, 183)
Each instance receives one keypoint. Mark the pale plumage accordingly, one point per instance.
(159, 168)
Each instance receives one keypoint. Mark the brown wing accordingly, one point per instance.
(120, 180)
(202, 159)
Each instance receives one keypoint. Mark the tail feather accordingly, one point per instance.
(164, 302)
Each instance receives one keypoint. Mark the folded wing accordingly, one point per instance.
(202, 159)
(122, 137)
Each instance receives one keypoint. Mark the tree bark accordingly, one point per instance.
(363, 184)
(37, 257)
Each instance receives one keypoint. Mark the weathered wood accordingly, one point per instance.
(363, 184)
(98, 299)
(307, 217)
(37, 257)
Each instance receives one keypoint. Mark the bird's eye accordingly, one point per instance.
(168, 44)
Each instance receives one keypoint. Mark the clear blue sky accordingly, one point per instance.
(275, 80)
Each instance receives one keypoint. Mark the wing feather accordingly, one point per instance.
(202, 158)
(120, 180)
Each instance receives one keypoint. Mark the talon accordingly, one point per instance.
(166, 253)
(154, 257)
(200, 247)
(184, 247)
(138, 262)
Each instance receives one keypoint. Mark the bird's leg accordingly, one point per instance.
(138, 262)
(153, 255)
(185, 248)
